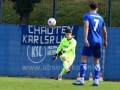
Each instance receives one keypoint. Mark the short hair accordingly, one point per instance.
(93, 5)
(68, 30)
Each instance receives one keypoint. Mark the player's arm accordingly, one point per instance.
(72, 45)
(57, 51)
(60, 46)
(86, 28)
(104, 36)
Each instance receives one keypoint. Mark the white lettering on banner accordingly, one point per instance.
(51, 47)
(58, 27)
(43, 30)
(24, 38)
(29, 28)
(36, 54)
(44, 35)
(41, 40)
(90, 67)
(40, 35)
(50, 32)
(71, 27)
(36, 39)
(52, 38)
(63, 29)
(51, 52)
(57, 41)
(51, 67)
(36, 51)
(54, 47)
(46, 30)
(46, 39)
(37, 30)
(30, 39)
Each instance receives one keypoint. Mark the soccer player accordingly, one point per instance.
(66, 51)
(94, 26)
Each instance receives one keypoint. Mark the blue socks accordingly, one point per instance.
(97, 71)
(83, 67)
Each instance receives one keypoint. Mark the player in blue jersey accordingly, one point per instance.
(94, 26)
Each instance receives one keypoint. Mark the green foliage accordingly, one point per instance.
(24, 6)
(26, 1)
(68, 12)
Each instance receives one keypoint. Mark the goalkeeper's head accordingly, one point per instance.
(68, 33)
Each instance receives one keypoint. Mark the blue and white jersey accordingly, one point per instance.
(96, 23)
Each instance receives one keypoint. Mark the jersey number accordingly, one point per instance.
(96, 24)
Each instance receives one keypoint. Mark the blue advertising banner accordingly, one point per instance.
(36, 61)
(42, 35)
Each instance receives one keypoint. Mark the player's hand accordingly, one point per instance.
(55, 57)
(87, 43)
(61, 52)
(104, 44)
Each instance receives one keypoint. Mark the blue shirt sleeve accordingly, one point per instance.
(103, 24)
(85, 18)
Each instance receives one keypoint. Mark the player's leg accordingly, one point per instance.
(65, 62)
(97, 55)
(86, 52)
(67, 59)
(63, 71)
(61, 74)
(66, 65)
(83, 68)
(70, 59)
(97, 71)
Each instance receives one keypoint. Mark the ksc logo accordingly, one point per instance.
(36, 54)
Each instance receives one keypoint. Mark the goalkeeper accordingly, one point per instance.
(66, 51)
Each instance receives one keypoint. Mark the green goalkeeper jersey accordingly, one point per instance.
(68, 46)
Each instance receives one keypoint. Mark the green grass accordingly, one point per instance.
(20, 83)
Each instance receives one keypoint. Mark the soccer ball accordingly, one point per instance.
(51, 22)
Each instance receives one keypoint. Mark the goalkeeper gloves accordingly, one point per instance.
(61, 52)
(55, 57)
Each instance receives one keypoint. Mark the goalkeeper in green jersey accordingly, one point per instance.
(66, 51)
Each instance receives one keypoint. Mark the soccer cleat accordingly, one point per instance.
(94, 84)
(68, 71)
(58, 78)
(78, 83)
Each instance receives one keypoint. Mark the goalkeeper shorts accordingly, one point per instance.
(69, 57)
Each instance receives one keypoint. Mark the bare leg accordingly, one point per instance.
(96, 60)
(84, 58)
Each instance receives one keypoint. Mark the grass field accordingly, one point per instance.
(20, 83)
